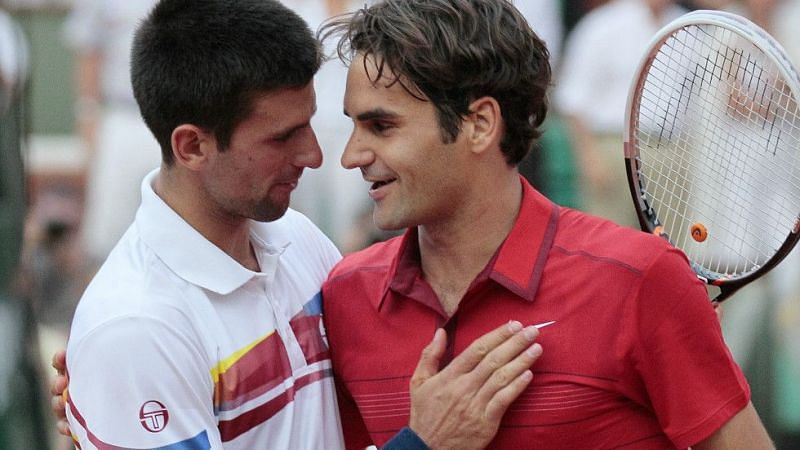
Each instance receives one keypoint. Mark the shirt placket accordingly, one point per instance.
(281, 310)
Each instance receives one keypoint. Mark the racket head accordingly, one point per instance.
(712, 146)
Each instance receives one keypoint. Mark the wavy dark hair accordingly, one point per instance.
(452, 52)
(204, 61)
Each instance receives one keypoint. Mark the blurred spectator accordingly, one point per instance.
(705, 4)
(599, 62)
(121, 150)
(550, 165)
(762, 324)
(22, 420)
(37, 4)
(546, 20)
(52, 268)
(52, 273)
(13, 62)
(574, 10)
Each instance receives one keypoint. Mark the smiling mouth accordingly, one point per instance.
(379, 184)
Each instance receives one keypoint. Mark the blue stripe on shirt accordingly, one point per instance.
(314, 306)
(199, 442)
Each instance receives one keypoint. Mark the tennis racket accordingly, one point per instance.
(712, 147)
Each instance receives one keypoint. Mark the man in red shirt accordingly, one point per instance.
(445, 98)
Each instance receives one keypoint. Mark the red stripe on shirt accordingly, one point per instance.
(307, 331)
(92, 438)
(264, 367)
(231, 429)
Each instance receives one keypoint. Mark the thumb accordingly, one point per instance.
(428, 364)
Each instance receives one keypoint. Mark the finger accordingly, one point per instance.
(500, 402)
(60, 361)
(430, 359)
(508, 373)
(63, 428)
(58, 407)
(58, 385)
(481, 347)
(503, 354)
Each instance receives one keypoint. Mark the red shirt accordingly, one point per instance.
(635, 359)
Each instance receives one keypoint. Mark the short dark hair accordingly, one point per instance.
(452, 52)
(203, 62)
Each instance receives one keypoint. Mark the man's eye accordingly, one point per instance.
(287, 136)
(380, 127)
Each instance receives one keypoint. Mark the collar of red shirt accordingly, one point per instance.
(517, 265)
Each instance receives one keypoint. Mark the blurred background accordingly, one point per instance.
(73, 151)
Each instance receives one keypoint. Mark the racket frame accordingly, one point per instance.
(648, 220)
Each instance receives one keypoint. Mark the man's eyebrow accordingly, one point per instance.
(288, 131)
(293, 128)
(372, 114)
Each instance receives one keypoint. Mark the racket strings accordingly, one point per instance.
(684, 183)
(688, 187)
(718, 130)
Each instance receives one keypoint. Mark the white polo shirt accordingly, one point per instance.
(175, 345)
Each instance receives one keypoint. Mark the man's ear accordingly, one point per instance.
(191, 146)
(486, 124)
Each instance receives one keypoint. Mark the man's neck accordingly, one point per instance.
(230, 234)
(453, 253)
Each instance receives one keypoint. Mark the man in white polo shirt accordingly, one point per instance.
(202, 329)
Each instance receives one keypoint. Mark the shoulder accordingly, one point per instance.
(360, 279)
(584, 235)
(129, 332)
(139, 344)
(132, 283)
(606, 256)
(357, 284)
(376, 258)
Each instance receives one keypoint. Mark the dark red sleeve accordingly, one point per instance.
(690, 376)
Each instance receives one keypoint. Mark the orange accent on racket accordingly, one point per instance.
(699, 232)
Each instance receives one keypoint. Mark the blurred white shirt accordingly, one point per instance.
(600, 61)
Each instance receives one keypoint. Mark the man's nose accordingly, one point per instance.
(356, 153)
(311, 154)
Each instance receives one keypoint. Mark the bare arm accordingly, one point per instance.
(744, 431)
